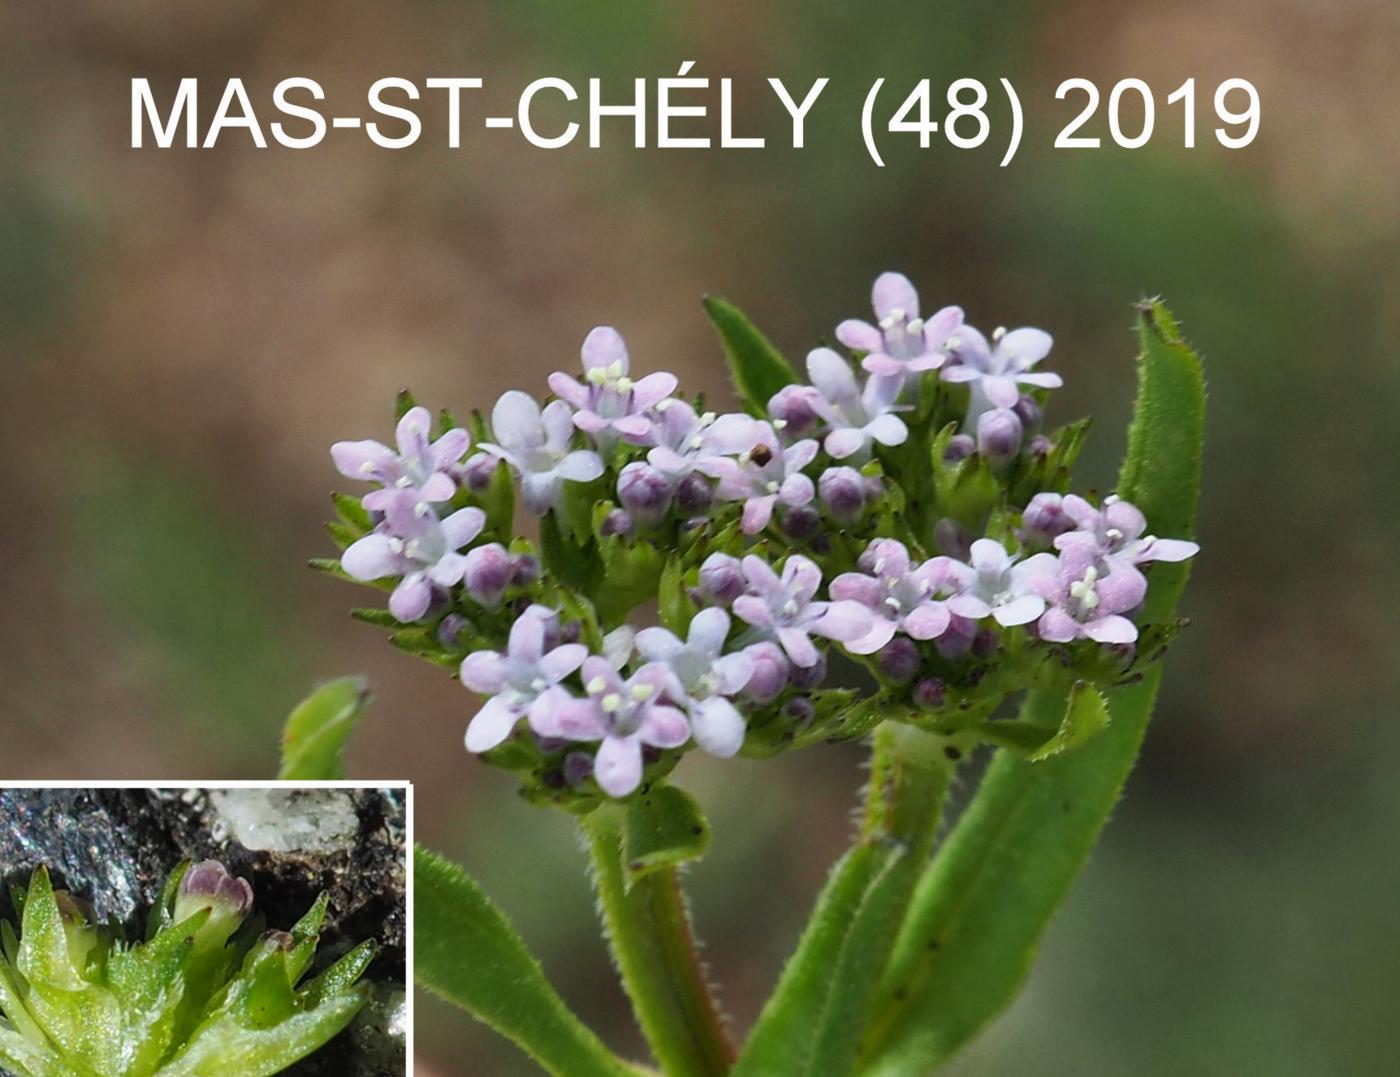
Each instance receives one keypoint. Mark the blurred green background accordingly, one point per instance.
(183, 333)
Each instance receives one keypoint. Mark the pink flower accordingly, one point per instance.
(901, 342)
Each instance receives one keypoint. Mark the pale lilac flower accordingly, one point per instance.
(791, 411)
(901, 342)
(522, 682)
(784, 607)
(763, 476)
(608, 404)
(686, 441)
(994, 583)
(421, 465)
(771, 671)
(856, 416)
(624, 715)
(902, 596)
(1087, 602)
(996, 374)
(842, 491)
(721, 578)
(536, 444)
(414, 544)
(704, 675)
(1116, 531)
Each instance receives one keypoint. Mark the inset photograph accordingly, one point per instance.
(204, 931)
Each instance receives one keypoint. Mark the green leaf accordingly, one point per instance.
(665, 827)
(1085, 714)
(467, 952)
(352, 513)
(565, 558)
(317, 730)
(757, 369)
(985, 900)
(674, 606)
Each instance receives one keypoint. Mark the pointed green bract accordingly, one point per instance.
(757, 369)
(985, 900)
(665, 827)
(467, 952)
(317, 731)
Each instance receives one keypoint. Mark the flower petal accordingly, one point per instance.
(881, 632)
(847, 441)
(856, 587)
(568, 389)
(732, 672)
(618, 765)
(718, 727)
(658, 644)
(1019, 611)
(888, 430)
(1057, 626)
(1001, 390)
(708, 630)
(799, 647)
(894, 294)
(651, 390)
(1025, 347)
(1169, 550)
(563, 660)
(927, 621)
(832, 375)
(753, 610)
(363, 460)
(1111, 629)
(664, 727)
(463, 526)
(602, 347)
(491, 725)
(485, 672)
(757, 512)
(371, 558)
(411, 598)
(860, 336)
(516, 422)
(801, 578)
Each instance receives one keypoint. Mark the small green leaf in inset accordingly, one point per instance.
(757, 369)
(665, 827)
(316, 732)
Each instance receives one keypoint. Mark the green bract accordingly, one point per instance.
(202, 997)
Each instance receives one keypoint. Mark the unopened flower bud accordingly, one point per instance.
(616, 522)
(899, 659)
(842, 491)
(524, 569)
(1039, 445)
(477, 471)
(721, 578)
(801, 521)
(799, 710)
(984, 644)
(953, 539)
(569, 632)
(874, 488)
(957, 639)
(1028, 411)
(1043, 519)
(450, 630)
(488, 573)
(959, 448)
(770, 671)
(644, 492)
(999, 436)
(791, 410)
(806, 678)
(578, 768)
(928, 693)
(694, 493)
(208, 885)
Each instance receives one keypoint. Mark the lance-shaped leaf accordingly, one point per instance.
(317, 731)
(983, 904)
(467, 951)
(757, 369)
(1084, 715)
(665, 827)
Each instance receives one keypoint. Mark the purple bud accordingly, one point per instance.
(959, 447)
(998, 436)
(549, 745)
(800, 709)
(1040, 445)
(488, 573)
(524, 569)
(801, 521)
(478, 471)
(842, 491)
(791, 410)
(1043, 519)
(928, 693)
(984, 644)
(721, 578)
(770, 671)
(899, 660)
(208, 885)
(616, 522)
(1028, 411)
(874, 488)
(694, 493)
(644, 492)
(805, 678)
(957, 639)
(953, 539)
(569, 632)
(578, 768)
(450, 630)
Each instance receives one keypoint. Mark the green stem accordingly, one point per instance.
(648, 927)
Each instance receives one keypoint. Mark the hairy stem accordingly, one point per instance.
(648, 928)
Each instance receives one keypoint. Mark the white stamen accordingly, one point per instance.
(367, 468)
(624, 385)
(915, 327)
(708, 418)
(953, 343)
(597, 375)
(596, 685)
(641, 691)
(790, 607)
(664, 405)
(879, 566)
(772, 487)
(396, 545)
(403, 482)
(998, 332)
(778, 424)
(892, 602)
(612, 703)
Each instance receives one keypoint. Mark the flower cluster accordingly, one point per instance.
(903, 511)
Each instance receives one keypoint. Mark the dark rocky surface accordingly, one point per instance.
(114, 847)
